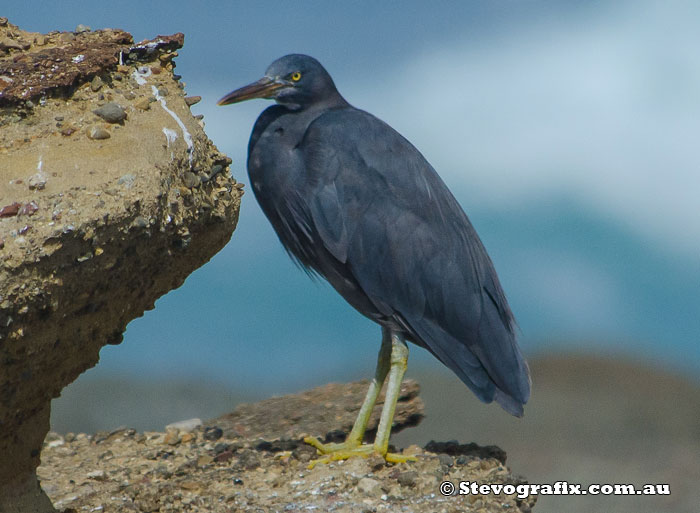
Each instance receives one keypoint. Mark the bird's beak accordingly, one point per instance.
(263, 88)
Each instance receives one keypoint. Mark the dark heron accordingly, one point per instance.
(353, 201)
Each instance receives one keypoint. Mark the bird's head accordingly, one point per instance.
(296, 81)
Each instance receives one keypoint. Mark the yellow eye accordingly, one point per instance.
(296, 76)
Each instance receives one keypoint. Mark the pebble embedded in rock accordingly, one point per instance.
(446, 460)
(215, 170)
(370, 487)
(9, 44)
(375, 462)
(190, 179)
(28, 209)
(37, 181)
(68, 130)
(98, 133)
(213, 433)
(408, 478)
(205, 459)
(111, 112)
(462, 460)
(224, 456)
(192, 100)
(221, 447)
(249, 460)
(10, 210)
(141, 222)
(97, 475)
(127, 180)
(96, 84)
(143, 103)
(172, 437)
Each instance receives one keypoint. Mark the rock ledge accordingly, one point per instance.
(110, 196)
(210, 469)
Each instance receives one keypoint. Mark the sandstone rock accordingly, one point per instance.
(98, 133)
(239, 473)
(72, 279)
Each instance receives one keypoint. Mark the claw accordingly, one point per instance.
(391, 362)
(392, 457)
(350, 449)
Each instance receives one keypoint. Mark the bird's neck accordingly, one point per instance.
(332, 101)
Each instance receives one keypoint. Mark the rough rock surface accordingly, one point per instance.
(97, 219)
(212, 469)
(311, 412)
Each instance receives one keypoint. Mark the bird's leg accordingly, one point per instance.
(392, 360)
(355, 437)
(399, 362)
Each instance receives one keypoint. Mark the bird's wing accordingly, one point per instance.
(381, 210)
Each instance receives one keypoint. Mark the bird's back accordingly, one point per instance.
(355, 202)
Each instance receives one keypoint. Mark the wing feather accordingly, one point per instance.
(383, 212)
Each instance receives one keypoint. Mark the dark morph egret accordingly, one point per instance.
(353, 201)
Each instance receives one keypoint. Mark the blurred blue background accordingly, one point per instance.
(567, 130)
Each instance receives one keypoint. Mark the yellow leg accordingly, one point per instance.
(399, 362)
(392, 360)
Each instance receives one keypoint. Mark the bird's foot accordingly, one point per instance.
(349, 449)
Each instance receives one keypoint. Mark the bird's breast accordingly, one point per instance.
(275, 160)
